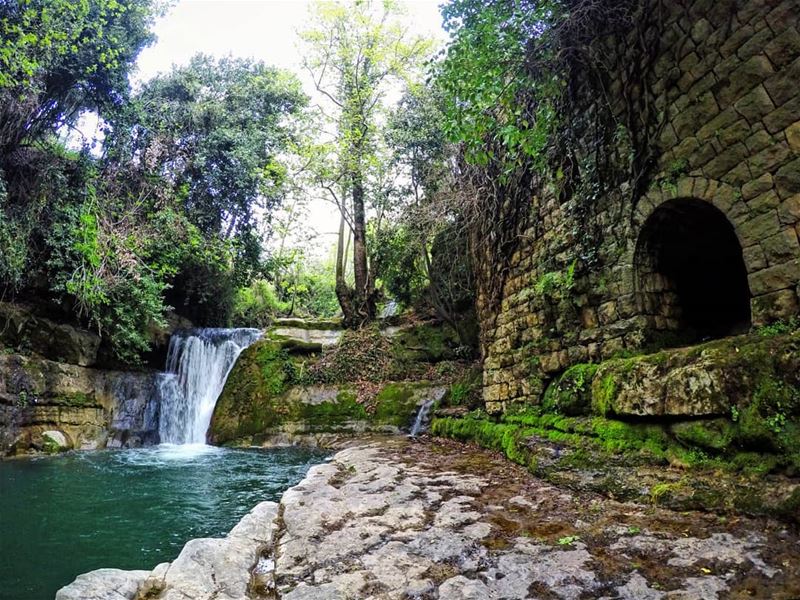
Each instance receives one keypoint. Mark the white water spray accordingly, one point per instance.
(198, 363)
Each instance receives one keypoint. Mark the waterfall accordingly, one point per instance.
(423, 418)
(198, 363)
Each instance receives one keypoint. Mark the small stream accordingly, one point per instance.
(129, 509)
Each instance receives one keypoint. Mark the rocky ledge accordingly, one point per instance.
(400, 519)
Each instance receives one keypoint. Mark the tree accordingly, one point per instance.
(355, 52)
(59, 58)
(216, 128)
(430, 261)
(215, 134)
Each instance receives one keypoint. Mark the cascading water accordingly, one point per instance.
(423, 418)
(198, 363)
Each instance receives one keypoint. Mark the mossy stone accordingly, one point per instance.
(571, 394)
(713, 434)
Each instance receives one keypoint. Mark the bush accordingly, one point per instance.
(257, 305)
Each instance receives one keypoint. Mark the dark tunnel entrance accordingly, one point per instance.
(691, 277)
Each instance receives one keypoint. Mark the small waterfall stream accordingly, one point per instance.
(198, 363)
(423, 418)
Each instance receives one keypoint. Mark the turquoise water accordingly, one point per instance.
(129, 509)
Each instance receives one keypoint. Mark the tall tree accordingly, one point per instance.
(356, 51)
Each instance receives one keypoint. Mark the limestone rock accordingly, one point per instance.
(20, 326)
(104, 584)
(219, 569)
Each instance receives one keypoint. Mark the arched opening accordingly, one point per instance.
(690, 274)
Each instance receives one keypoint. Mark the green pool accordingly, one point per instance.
(130, 509)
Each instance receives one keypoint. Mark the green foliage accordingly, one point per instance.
(396, 254)
(568, 540)
(570, 394)
(216, 128)
(779, 327)
(165, 218)
(355, 52)
(494, 105)
(256, 305)
(555, 283)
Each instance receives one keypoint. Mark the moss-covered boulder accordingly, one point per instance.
(571, 394)
(425, 342)
(266, 395)
(708, 380)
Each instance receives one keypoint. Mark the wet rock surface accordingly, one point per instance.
(436, 519)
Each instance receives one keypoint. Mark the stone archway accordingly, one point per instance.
(690, 277)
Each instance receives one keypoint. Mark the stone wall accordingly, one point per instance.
(728, 158)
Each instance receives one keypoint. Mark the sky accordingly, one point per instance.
(261, 29)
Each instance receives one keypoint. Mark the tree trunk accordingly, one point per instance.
(364, 298)
(343, 293)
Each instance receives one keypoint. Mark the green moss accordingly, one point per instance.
(50, 446)
(713, 434)
(395, 404)
(604, 392)
(77, 399)
(570, 394)
(247, 403)
(328, 416)
(426, 342)
(661, 493)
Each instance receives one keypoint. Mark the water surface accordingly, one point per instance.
(129, 509)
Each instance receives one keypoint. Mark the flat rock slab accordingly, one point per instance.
(439, 520)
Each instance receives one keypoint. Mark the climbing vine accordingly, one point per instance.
(551, 98)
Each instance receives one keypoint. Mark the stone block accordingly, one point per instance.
(758, 228)
(787, 179)
(757, 187)
(772, 279)
(754, 258)
(726, 118)
(700, 30)
(785, 48)
(737, 37)
(758, 141)
(782, 15)
(792, 133)
(550, 362)
(743, 79)
(589, 318)
(782, 117)
(764, 203)
(781, 247)
(738, 175)
(755, 105)
(783, 86)
(754, 44)
(789, 210)
(738, 132)
(777, 305)
(769, 159)
(607, 312)
(725, 161)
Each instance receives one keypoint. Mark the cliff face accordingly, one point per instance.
(52, 399)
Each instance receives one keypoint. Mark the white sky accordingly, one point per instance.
(261, 29)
